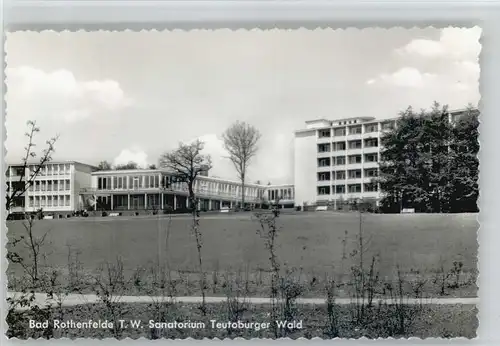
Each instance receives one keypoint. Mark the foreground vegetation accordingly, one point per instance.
(356, 275)
(323, 321)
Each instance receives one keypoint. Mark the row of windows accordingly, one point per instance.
(350, 188)
(280, 194)
(355, 130)
(351, 159)
(153, 181)
(49, 201)
(51, 185)
(54, 169)
(343, 145)
(350, 174)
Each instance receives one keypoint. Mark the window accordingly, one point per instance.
(324, 176)
(339, 160)
(323, 148)
(61, 201)
(371, 128)
(49, 185)
(67, 185)
(31, 200)
(323, 190)
(324, 133)
(354, 159)
(371, 158)
(340, 175)
(66, 201)
(339, 189)
(371, 187)
(43, 185)
(43, 201)
(61, 185)
(371, 172)
(355, 130)
(389, 125)
(355, 144)
(339, 146)
(354, 174)
(49, 201)
(324, 162)
(54, 199)
(37, 201)
(37, 185)
(371, 143)
(354, 188)
(339, 132)
(56, 184)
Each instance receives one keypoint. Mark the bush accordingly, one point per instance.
(103, 214)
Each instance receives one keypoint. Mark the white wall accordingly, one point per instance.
(305, 167)
(81, 178)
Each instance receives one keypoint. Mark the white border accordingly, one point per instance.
(138, 15)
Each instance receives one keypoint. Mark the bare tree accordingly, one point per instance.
(18, 188)
(186, 163)
(240, 140)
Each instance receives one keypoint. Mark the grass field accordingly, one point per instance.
(312, 245)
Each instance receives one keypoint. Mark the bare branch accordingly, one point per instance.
(187, 162)
(240, 141)
(46, 157)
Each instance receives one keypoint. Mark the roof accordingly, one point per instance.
(52, 162)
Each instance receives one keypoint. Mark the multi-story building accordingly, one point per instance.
(336, 161)
(55, 187)
(64, 187)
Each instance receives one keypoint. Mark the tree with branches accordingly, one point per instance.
(129, 165)
(241, 142)
(187, 163)
(104, 166)
(29, 171)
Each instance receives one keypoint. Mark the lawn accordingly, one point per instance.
(311, 245)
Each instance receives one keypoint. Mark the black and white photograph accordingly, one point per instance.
(242, 183)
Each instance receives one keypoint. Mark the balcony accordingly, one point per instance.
(323, 182)
(355, 181)
(367, 135)
(324, 168)
(321, 140)
(354, 136)
(370, 164)
(324, 154)
(370, 150)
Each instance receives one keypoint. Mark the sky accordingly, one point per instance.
(131, 96)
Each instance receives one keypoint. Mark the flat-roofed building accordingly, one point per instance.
(55, 188)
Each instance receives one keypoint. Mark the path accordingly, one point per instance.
(78, 299)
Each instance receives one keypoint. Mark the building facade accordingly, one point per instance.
(55, 188)
(336, 161)
(157, 189)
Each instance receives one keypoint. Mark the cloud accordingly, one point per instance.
(36, 94)
(408, 77)
(453, 43)
(132, 155)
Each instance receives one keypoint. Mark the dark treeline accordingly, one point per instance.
(429, 163)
